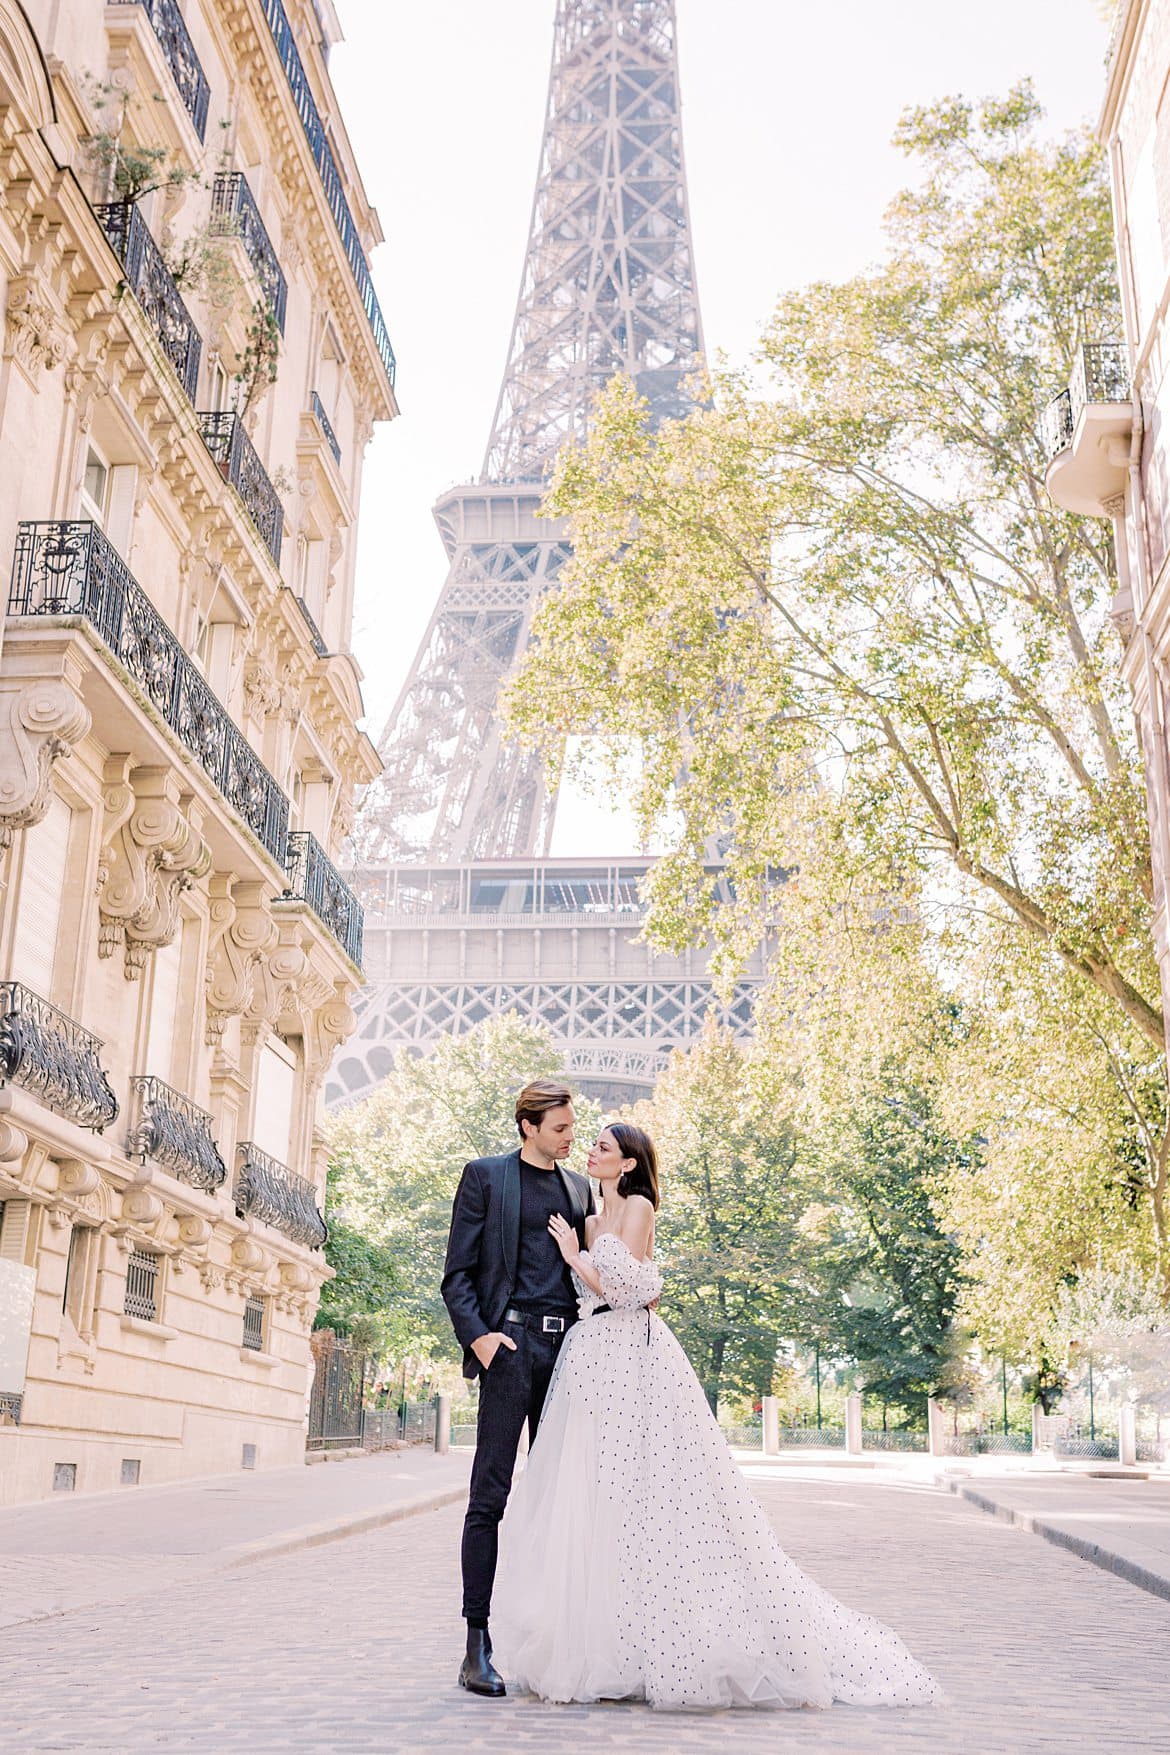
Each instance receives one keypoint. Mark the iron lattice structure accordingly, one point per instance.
(459, 815)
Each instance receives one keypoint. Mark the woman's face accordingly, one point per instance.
(606, 1162)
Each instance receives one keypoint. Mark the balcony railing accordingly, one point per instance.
(313, 878)
(68, 568)
(10, 1406)
(326, 164)
(323, 422)
(236, 456)
(270, 1191)
(319, 646)
(53, 1057)
(175, 41)
(176, 1133)
(234, 209)
(152, 284)
(1100, 374)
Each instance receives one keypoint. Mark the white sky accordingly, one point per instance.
(788, 112)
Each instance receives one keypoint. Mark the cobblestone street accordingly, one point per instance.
(354, 1646)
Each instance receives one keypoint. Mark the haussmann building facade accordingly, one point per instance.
(193, 360)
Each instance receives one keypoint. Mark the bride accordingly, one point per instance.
(636, 1563)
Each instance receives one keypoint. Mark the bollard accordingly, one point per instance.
(853, 1425)
(771, 1426)
(1127, 1437)
(442, 1424)
(936, 1425)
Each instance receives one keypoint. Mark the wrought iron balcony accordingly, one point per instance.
(226, 439)
(176, 1133)
(234, 210)
(152, 284)
(322, 152)
(313, 878)
(1085, 431)
(323, 422)
(270, 1191)
(319, 646)
(175, 41)
(68, 568)
(11, 1401)
(53, 1057)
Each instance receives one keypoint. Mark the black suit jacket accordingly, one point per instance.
(484, 1245)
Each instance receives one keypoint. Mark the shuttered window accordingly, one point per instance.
(164, 1001)
(276, 1085)
(42, 886)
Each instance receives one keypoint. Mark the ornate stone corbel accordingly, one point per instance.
(143, 1209)
(36, 337)
(38, 724)
(153, 851)
(331, 1023)
(241, 930)
(279, 973)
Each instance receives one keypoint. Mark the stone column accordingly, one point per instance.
(1039, 1437)
(853, 1425)
(1127, 1437)
(442, 1425)
(771, 1426)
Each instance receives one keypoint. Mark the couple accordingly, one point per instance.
(637, 1563)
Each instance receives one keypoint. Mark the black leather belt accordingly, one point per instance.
(554, 1324)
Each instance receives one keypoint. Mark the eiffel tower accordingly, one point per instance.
(467, 915)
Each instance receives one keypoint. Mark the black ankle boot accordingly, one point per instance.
(476, 1673)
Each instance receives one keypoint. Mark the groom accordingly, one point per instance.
(511, 1301)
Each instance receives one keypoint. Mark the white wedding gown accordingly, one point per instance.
(635, 1560)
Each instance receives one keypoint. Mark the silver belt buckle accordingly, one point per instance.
(552, 1325)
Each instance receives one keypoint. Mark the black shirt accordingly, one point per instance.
(543, 1282)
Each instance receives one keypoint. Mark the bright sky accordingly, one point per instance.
(788, 112)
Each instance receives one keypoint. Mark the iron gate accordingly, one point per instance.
(335, 1403)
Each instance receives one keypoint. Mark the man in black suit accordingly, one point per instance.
(512, 1302)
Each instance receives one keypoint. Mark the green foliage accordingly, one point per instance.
(728, 1219)
(395, 1160)
(128, 170)
(261, 356)
(837, 624)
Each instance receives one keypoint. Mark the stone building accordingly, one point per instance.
(1108, 435)
(193, 358)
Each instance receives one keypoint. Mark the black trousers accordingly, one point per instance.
(511, 1390)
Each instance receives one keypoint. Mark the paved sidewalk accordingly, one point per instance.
(64, 1554)
(1119, 1522)
(351, 1648)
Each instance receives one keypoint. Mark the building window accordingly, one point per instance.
(95, 486)
(142, 1286)
(254, 1324)
(77, 1297)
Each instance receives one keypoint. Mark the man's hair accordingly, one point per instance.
(536, 1099)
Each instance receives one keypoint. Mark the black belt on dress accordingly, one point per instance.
(599, 1310)
(555, 1323)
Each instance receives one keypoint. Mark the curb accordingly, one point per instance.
(315, 1535)
(1109, 1561)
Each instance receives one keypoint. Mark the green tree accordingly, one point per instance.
(888, 1276)
(395, 1160)
(841, 627)
(727, 1225)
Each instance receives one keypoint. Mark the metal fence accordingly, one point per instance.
(335, 1401)
(409, 1423)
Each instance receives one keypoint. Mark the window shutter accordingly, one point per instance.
(276, 1083)
(42, 884)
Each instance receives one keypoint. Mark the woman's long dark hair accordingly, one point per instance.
(643, 1178)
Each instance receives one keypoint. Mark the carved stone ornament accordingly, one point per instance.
(278, 975)
(35, 336)
(142, 1208)
(38, 724)
(153, 851)
(241, 930)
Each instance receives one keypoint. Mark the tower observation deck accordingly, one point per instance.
(467, 915)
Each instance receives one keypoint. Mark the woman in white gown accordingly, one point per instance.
(636, 1563)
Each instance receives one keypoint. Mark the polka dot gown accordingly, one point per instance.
(635, 1561)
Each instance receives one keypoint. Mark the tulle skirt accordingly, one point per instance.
(636, 1562)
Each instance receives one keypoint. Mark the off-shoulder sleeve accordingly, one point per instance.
(626, 1283)
(584, 1292)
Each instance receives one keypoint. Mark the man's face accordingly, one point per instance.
(554, 1136)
